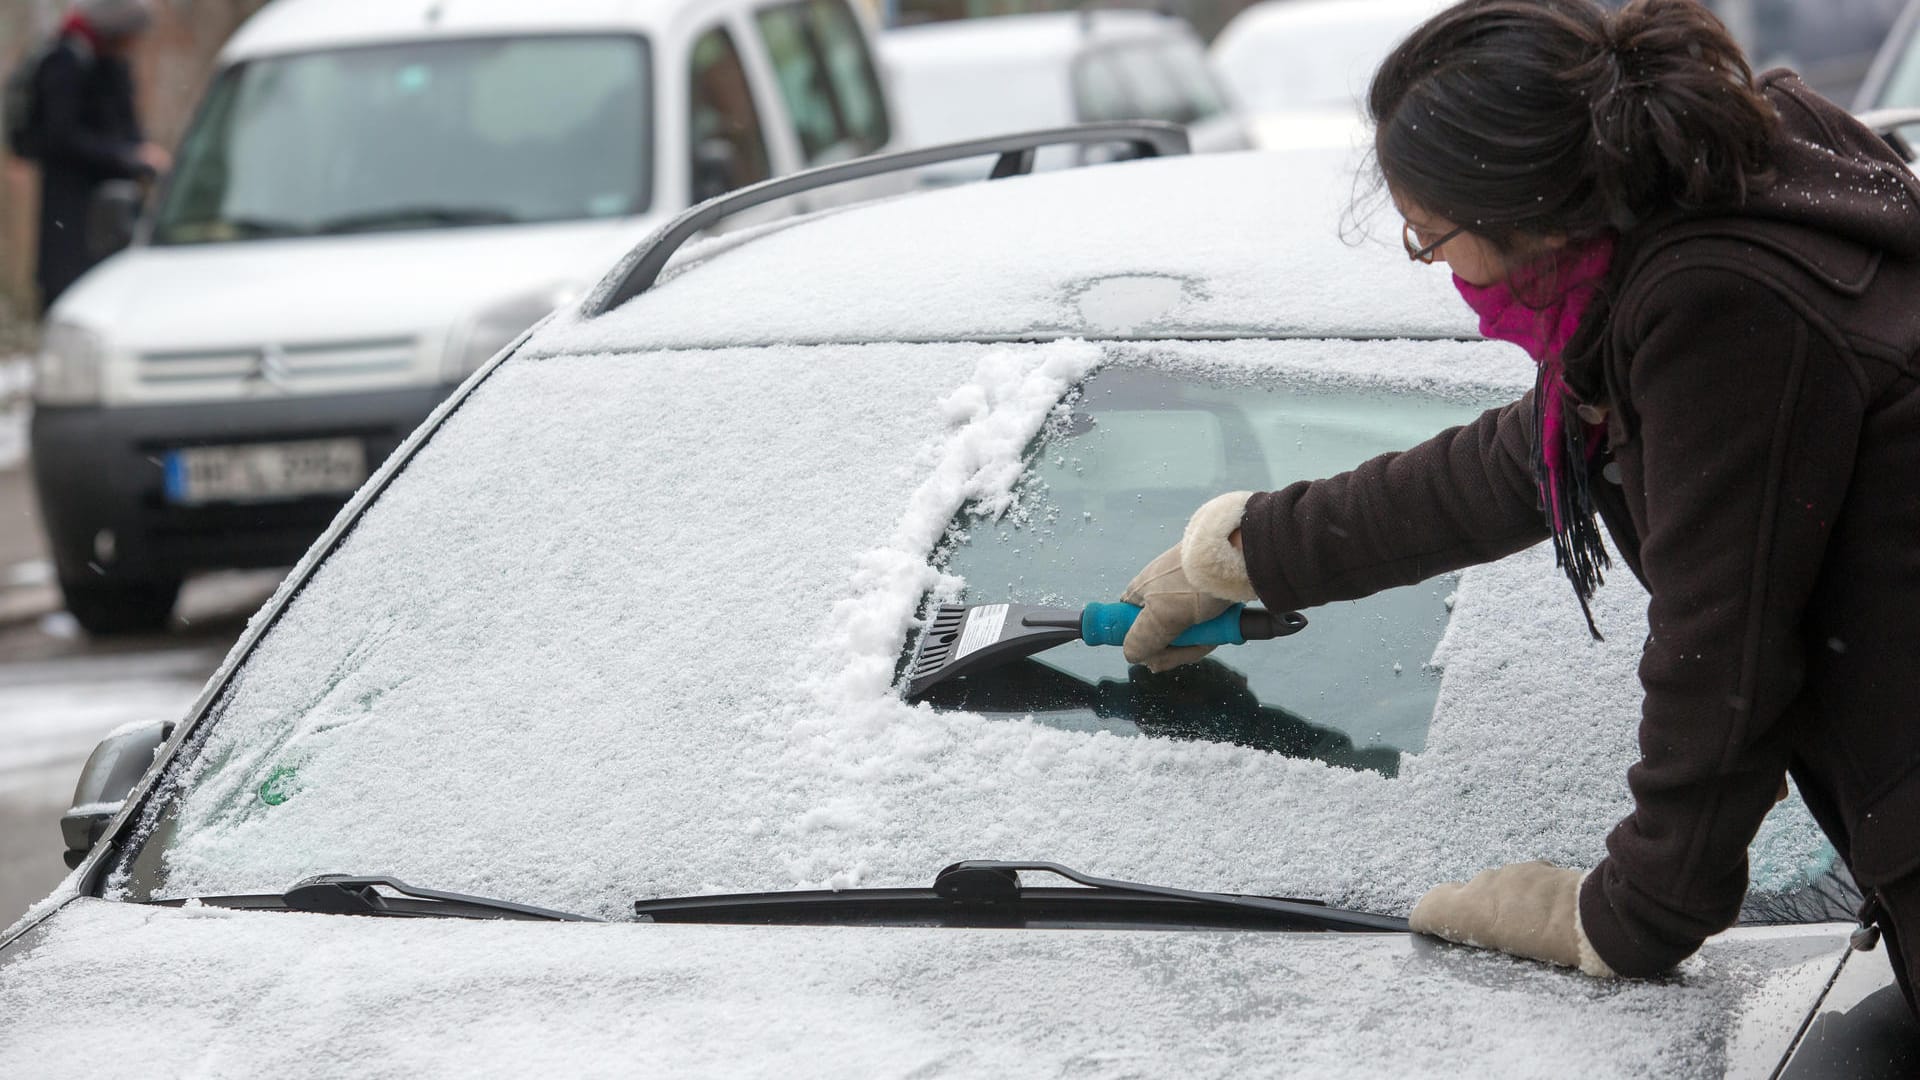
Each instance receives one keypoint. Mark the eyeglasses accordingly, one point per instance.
(1424, 254)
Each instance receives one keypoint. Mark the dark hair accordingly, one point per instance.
(1520, 118)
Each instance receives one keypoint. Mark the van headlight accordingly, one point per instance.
(67, 370)
(495, 327)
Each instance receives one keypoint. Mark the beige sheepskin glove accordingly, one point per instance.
(1529, 909)
(1187, 584)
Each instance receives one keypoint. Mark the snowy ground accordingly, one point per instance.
(16, 373)
(52, 713)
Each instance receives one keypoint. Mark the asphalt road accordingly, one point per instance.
(60, 692)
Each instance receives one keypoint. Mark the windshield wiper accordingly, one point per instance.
(346, 894)
(402, 217)
(985, 892)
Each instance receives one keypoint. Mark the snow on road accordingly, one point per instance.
(52, 713)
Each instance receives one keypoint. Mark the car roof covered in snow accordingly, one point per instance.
(288, 26)
(1216, 245)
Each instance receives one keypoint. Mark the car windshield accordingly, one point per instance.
(632, 625)
(421, 135)
(1115, 479)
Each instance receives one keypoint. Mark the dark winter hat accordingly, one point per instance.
(115, 18)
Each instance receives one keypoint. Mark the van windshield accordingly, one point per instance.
(420, 135)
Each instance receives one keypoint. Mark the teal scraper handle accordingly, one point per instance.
(1107, 624)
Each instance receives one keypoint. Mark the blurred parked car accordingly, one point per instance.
(619, 636)
(374, 198)
(1300, 68)
(1831, 43)
(1894, 79)
(968, 78)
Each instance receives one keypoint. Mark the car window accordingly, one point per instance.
(1112, 482)
(1187, 64)
(420, 135)
(1099, 90)
(727, 149)
(826, 77)
(1152, 88)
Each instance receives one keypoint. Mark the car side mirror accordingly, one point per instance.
(714, 163)
(112, 216)
(111, 771)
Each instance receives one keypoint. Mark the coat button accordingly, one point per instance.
(1592, 414)
(1611, 470)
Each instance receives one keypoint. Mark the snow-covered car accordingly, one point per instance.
(373, 198)
(1299, 68)
(607, 664)
(970, 78)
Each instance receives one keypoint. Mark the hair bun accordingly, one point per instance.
(1558, 117)
(1665, 78)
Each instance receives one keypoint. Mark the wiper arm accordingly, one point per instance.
(990, 893)
(346, 894)
(401, 216)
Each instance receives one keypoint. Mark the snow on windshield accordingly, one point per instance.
(1217, 244)
(629, 626)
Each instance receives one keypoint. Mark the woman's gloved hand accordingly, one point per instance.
(1527, 909)
(1189, 583)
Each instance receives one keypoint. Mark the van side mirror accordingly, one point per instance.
(112, 216)
(714, 163)
(111, 771)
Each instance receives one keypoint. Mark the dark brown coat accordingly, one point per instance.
(1761, 478)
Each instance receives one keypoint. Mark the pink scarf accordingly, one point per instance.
(1575, 277)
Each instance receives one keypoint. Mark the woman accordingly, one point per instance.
(1717, 278)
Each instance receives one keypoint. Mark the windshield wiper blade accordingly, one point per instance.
(348, 894)
(406, 216)
(989, 892)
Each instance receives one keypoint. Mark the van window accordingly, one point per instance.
(728, 149)
(420, 135)
(827, 78)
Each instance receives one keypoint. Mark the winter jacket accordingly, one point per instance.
(1761, 477)
(89, 135)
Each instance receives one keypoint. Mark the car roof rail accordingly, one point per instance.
(1015, 152)
(1887, 123)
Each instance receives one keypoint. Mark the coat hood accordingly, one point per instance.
(1834, 176)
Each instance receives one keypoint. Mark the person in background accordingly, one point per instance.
(1715, 276)
(89, 133)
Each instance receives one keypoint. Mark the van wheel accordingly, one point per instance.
(104, 608)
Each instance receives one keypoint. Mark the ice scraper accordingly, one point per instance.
(964, 638)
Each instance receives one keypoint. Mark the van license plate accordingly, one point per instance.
(262, 471)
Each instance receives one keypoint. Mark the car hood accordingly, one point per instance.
(322, 288)
(223, 993)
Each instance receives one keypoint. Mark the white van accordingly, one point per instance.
(375, 197)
